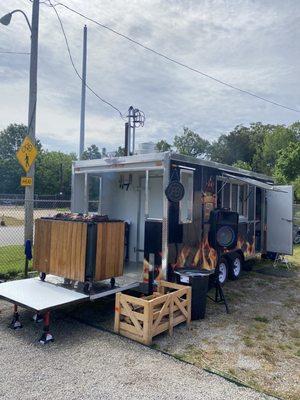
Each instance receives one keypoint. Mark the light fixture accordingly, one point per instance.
(5, 20)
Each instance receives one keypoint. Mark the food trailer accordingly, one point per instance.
(171, 212)
(188, 212)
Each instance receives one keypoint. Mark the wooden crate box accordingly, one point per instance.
(141, 319)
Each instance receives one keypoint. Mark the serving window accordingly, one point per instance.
(186, 204)
(233, 196)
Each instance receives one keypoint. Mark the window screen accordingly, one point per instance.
(243, 200)
(234, 197)
(226, 196)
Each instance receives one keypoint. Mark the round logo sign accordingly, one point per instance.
(174, 191)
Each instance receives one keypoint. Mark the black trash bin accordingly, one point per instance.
(198, 279)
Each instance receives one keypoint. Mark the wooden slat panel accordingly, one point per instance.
(109, 250)
(41, 253)
(68, 249)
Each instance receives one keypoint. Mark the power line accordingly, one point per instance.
(231, 86)
(13, 52)
(74, 67)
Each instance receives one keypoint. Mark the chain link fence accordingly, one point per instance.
(12, 217)
(297, 214)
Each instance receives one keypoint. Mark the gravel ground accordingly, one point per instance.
(86, 363)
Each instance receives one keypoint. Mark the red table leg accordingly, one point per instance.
(46, 336)
(15, 323)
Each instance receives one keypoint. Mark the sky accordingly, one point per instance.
(252, 44)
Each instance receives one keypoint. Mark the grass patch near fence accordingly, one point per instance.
(295, 258)
(11, 221)
(12, 261)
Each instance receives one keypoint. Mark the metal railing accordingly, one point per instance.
(12, 215)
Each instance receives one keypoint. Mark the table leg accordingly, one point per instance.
(46, 336)
(15, 323)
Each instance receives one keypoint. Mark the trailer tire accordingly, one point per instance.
(235, 267)
(222, 271)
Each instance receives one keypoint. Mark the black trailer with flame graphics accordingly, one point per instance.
(188, 213)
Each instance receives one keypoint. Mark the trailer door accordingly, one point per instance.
(280, 220)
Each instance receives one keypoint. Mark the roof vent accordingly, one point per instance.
(146, 148)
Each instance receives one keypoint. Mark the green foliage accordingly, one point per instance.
(287, 166)
(53, 173)
(91, 153)
(120, 151)
(241, 144)
(269, 149)
(163, 145)
(190, 143)
(10, 169)
(256, 147)
(11, 139)
(296, 184)
(275, 141)
(243, 165)
(53, 169)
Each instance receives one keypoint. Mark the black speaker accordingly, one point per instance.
(153, 237)
(223, 233)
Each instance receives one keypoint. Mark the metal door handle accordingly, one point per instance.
(288, 220)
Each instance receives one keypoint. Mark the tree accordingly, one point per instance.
(243, 165)
(120, 152)
(240, 144)
(190, 143)
(274, 141)
(287, 168)
(53, 173)
(11, 139)
(91, 153)
(296, 185)
(162, 146)
(10, 169)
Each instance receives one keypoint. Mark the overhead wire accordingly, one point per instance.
(160, 54)
(13, 52)
(74, 66)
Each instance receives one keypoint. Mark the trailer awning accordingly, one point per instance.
(254, 182)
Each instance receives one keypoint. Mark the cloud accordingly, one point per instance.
(249, 43)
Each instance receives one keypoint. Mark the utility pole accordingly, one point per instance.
(136, 118)
(130, 144)
(83, 93)
(29, 190)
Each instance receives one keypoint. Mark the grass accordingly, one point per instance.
(295, 258)
(261, 319)
(11, 221)
(12, 261)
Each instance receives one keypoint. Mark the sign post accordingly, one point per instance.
(26, 156)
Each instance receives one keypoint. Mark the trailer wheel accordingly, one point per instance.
(42, 276)
(222, 271)
(235, 267)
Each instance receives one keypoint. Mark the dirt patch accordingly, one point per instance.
(258, 342)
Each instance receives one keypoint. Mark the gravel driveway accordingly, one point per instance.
(85, 363)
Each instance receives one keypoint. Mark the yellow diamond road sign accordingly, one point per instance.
(27, 154)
